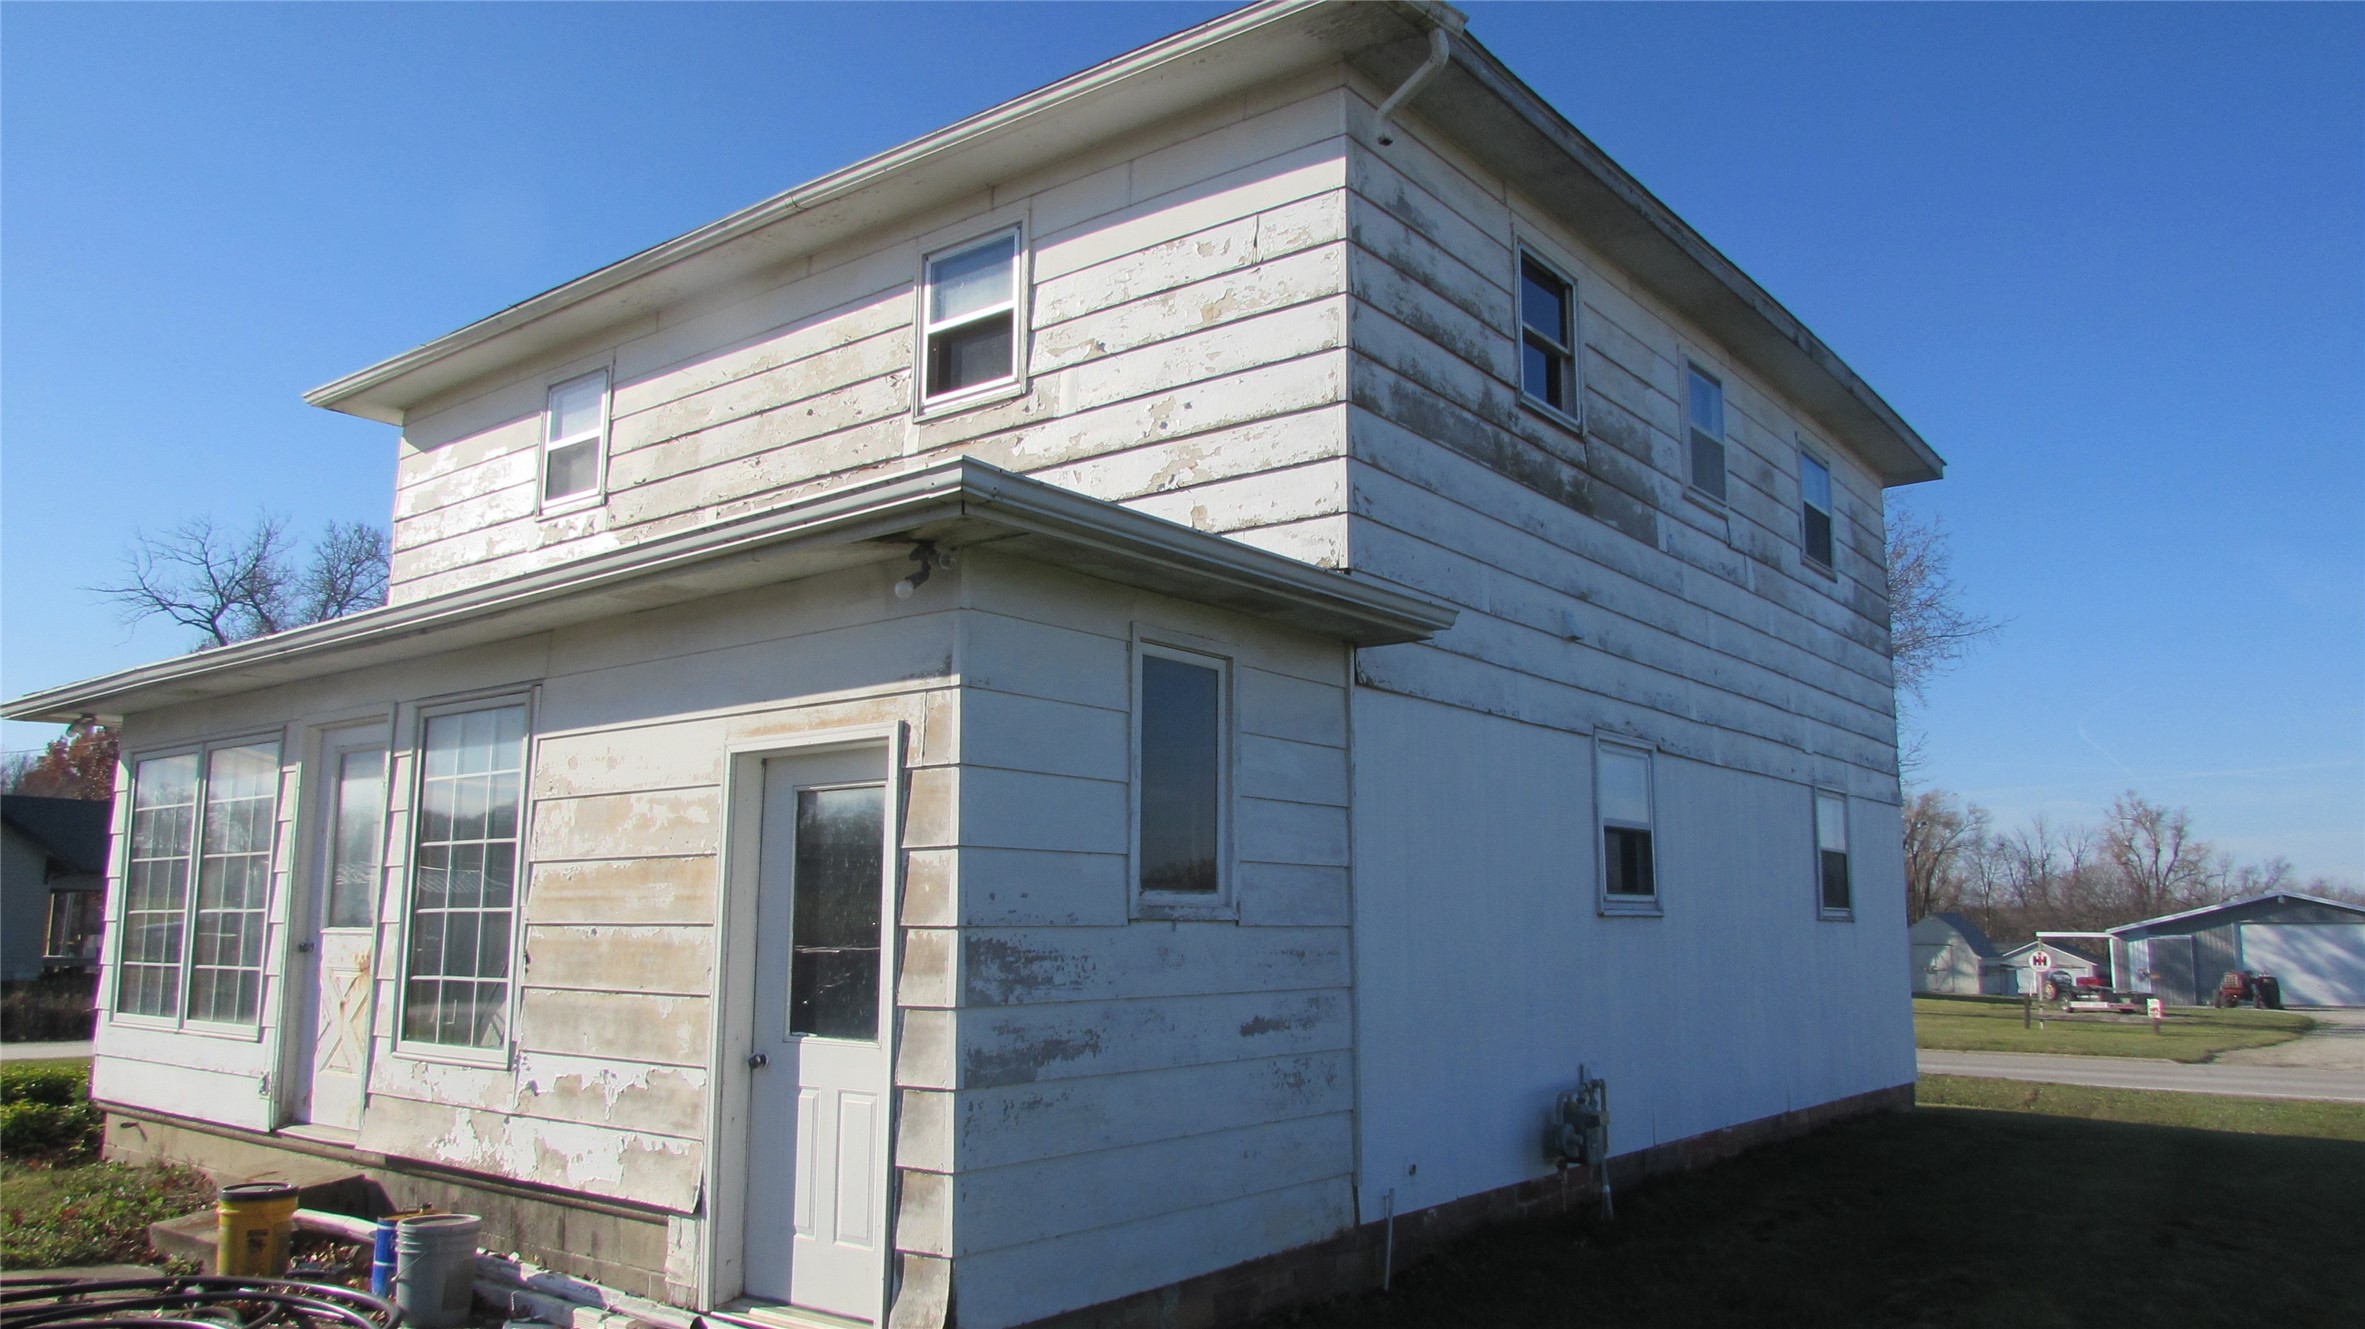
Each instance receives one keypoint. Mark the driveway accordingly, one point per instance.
(2336, 1043)
(2336, 1083)
(42, 1051)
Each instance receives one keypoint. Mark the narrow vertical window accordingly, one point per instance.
(1831, 852)
(357, 825)
(1814, 510)
(1547, 338)
(969, 331)
(1179, 736)
(574, 433)
(196, 884)
(1623, 790)
(1704, 426)
(464, 879)
(156, 886)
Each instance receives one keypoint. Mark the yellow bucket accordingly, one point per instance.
(253, 1222)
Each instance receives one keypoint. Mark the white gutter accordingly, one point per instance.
(1440, 55)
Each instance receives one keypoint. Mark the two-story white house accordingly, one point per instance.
(1066, 722)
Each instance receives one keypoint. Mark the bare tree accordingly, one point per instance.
(2160, 864)
(1929, 630)
(234, 584)
(1940, 834)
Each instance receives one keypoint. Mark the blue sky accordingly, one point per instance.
(2110, 260)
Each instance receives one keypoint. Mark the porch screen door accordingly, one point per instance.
(817, 1120)
(344, 909)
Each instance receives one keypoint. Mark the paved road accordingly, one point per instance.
(42, 1051)
(2340, 1085)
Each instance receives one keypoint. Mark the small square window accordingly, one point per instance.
(1547, 336)
(1622, 798)
(574, 433)
(1814, 510)
(1831, 854)
(969, 327)
(1704, 427)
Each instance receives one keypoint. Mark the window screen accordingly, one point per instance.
(1814, 503)
(1704, 420)
(1181, 746)
(1831, 851)
(464, 878)
(1624, 792)
(971, 319)
(1547, 359)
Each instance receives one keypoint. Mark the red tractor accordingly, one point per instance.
(2240, 987)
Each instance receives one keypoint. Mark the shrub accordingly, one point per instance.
(46, 1115)
(56, 1008)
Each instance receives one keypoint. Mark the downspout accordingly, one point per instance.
(1440, 54)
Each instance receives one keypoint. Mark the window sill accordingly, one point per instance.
(1147, 909)
(1707, 500)
(568, 507)
(1630, 906)
(1823, 570)
(432, 1055)
(227, 1033)
(1551, 414)
(938, 408)
(1836, 915)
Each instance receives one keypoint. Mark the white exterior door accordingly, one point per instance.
(818, 1105)
(331, 1061)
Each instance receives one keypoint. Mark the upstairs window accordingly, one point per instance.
(1180, 742)
(969, 328)
(1704, 427)
(1814, 510)
(1622, 787)
(1547, 336)
(1831, 854)
(196, 881)
(574, 436)
(456, 979)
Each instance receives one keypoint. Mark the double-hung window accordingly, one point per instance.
(464, 869)
(1831, 855)
(1703, 417)
(1547, 336)
(197, 879)
(1622, 796)
(574, 440)
(1814, 510)
(1182, 747)
(969, 320)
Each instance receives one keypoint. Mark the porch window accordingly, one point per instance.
(196, 881)
(1181, 747)
(456, 974)
(574, 431)
(1831, 854)
(969, 324)
(75, 920)
(1704, 427)
(1629, 872)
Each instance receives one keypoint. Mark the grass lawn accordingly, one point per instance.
(1929, 1219)
(2189, 1034)
(93, 1213)
(2209, 1112)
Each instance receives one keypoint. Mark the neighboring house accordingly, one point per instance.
(1075, 715)
(2315, 949)
(2031, 963)
(53, 864)
(1952, 955)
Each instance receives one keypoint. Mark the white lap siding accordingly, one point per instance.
(1188, 322)
(1123, 1104)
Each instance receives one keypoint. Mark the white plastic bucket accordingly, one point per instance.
(435, 1269)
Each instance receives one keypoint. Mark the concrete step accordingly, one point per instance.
(327, 1187)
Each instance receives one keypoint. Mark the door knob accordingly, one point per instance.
(303, 948)
(756, 1061)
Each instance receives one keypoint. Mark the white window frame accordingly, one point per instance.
(1223, 905)
(925, 331)
(544, 504)
(1628, 906)
(1808, 456)
(1715, 498)
(117, 933)
(415, 1049)
(1573, 377)
(1847, 829)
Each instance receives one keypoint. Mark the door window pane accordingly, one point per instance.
(1181, 774)
(840, 866)
(356, 831)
